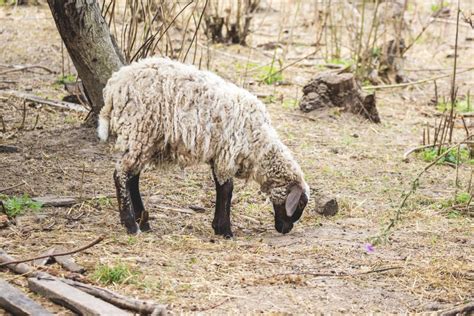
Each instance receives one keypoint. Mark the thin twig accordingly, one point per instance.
(405, 195)
(342, 274)
(302, 116)
(416, 149)
(93, 243)
(33, 98)
(4, 127)
(26, 68)
(401, 85)
(12, 187)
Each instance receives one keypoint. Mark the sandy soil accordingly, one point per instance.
(322, 266)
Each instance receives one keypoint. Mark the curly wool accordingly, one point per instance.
(166, 111)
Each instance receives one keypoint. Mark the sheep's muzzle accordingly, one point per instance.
(284, 223)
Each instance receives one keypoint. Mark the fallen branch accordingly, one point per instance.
(175, 209)
(464, 309)
(12, 187)
(21, 68)
(303, 116)
(93, 243)
(407, 84)
(58, 104)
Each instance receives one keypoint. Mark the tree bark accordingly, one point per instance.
(89, 43)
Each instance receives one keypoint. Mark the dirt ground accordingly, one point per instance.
(322, 266)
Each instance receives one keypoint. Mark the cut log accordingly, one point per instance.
(16, 302)
(72, 298)
(333, 89)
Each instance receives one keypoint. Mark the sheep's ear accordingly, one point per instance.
(292, 200)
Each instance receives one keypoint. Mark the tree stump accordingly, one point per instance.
(332, 89)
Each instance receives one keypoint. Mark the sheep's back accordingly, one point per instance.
(170, 110)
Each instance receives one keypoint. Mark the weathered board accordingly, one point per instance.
(68, 263)
(44, 261)
(57, 201)
(73, 298)
(17, 303)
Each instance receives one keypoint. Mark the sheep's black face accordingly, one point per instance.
(290, 212)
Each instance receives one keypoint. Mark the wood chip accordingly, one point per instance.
(72, 298)
(16, 302)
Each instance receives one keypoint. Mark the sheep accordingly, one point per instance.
(163, 111)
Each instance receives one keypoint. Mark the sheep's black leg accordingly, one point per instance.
(127, 214)
(221, 222)
(141, 216)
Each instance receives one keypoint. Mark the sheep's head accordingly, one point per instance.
(281, 177)
(288, 205)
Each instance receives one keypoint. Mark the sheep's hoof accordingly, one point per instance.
(145, 227)
(133, 229)
(223, 230)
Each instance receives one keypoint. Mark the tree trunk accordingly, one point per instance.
(89, 43)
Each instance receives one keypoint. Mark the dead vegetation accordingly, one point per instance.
(328, 264)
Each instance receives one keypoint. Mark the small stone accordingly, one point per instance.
(4, 222)
(330, 208)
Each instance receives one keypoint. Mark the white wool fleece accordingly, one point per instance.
(165, 111)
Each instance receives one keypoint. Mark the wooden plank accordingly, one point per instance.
(16, 302)
(20, 268)
(139, 306)
(65, 201)
(44, 261)
(68, 263)
(73, 298)
(57, 201)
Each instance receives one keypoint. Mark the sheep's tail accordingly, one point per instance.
(104, 118)
(103, 128)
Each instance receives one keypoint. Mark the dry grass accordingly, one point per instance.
(181, 263)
